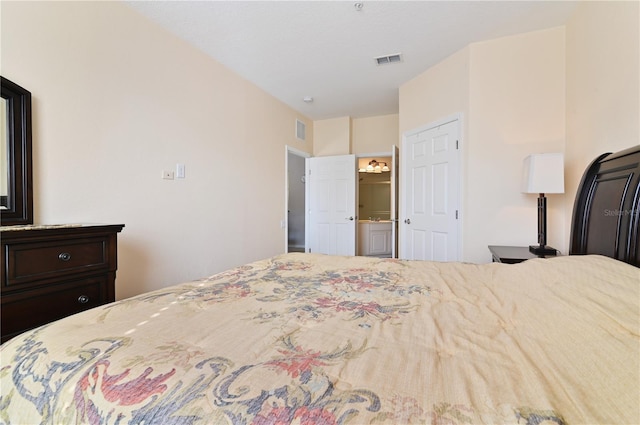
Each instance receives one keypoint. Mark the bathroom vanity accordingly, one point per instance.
(374, 238)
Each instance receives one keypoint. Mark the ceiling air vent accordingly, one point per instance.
(382, 60)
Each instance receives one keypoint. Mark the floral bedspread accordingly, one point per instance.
(313, 339)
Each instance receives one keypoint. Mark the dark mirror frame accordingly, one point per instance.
(19, 202)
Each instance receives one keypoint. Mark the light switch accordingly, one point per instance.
(180, 171)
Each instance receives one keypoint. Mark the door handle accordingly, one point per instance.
(349, 218)
(408, 221)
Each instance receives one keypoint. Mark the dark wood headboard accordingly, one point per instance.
(606, 212)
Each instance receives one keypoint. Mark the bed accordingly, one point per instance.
(313, 339)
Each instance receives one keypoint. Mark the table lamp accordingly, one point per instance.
(543, 173)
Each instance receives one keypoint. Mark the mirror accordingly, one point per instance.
(374, 189)
(16, 191)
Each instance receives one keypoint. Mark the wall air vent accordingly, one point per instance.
(301, 130)
(383, 60)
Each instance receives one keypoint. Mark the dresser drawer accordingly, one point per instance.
(29, 261)
(49, 272)
(29, 309)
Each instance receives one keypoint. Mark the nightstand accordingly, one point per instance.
(511, 254)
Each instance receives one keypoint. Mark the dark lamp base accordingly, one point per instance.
(542, 250)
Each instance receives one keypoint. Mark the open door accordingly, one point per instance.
(331, 183)
(394, 200)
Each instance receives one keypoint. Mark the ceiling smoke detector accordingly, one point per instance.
(383, 60)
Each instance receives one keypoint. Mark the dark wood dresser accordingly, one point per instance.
(50, 272)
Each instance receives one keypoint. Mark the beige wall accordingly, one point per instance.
(510, 92)
(574, 89)
(375, 134)
(346, 135)
(440, 91)
(516, 107)
(603, 86)
(116, 100)
(332, 136)
(116, 105)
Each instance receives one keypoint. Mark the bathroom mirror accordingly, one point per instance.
(16, 190)
(374, 188)
(374, 196)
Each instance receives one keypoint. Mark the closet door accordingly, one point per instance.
(430, 186)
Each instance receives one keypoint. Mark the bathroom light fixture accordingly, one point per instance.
(375, 167)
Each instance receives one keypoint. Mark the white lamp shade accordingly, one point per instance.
(543, 173)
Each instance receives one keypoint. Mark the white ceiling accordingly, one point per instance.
(326, 49)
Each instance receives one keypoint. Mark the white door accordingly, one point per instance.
(394, 200)
(430, 193)
(332, 204)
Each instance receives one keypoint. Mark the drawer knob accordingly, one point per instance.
(83, 299)
(64, 256)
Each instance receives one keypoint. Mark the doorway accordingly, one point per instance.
(378, 204)
(333, 216)
(374, 206)
(295, 223)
